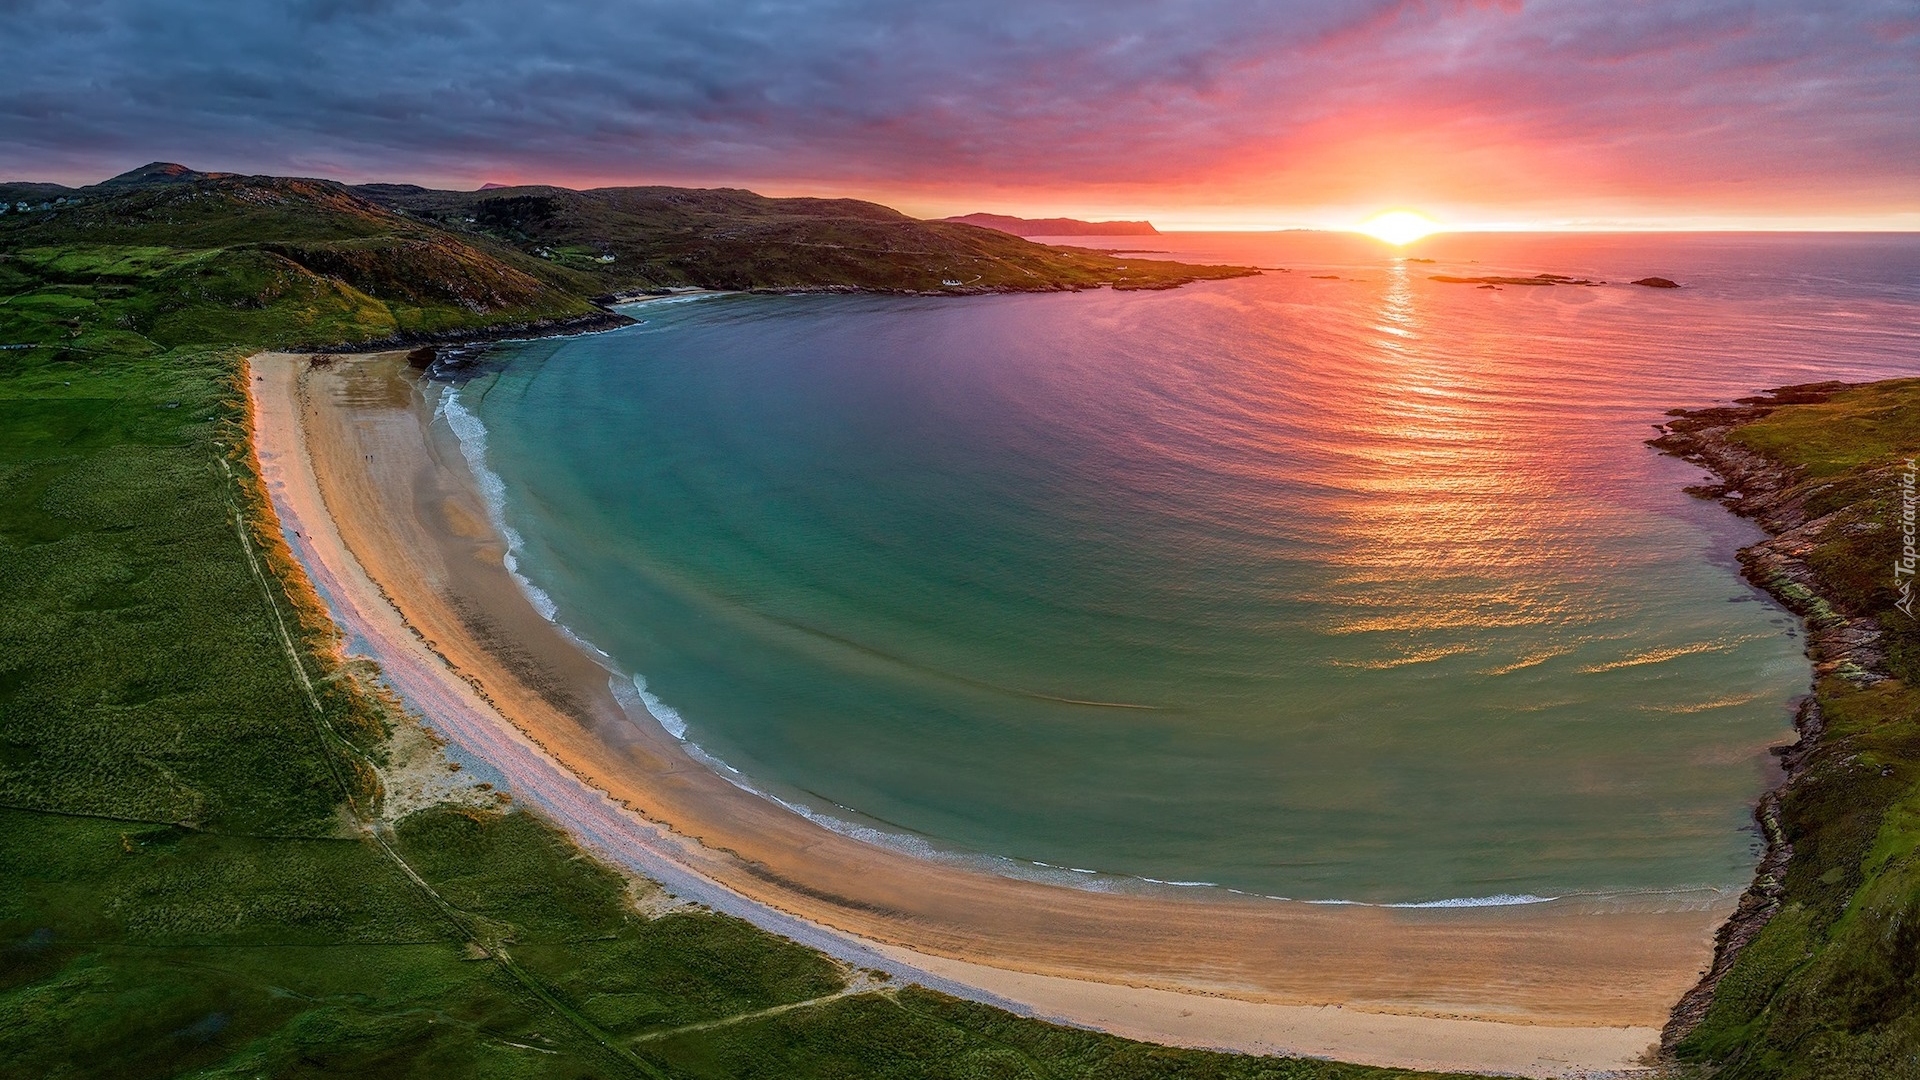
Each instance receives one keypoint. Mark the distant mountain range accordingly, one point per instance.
(1057, 226)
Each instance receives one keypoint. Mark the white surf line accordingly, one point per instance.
(473, 438)
(381, 833)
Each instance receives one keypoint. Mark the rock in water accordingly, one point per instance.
(1658, 283)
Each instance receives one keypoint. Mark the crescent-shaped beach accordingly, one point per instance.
(388, 522)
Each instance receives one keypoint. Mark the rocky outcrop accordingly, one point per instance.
(1537, 279)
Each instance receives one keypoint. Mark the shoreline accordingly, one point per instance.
(1752, 486)
(388, 523)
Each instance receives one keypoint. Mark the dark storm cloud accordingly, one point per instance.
(1787, 95)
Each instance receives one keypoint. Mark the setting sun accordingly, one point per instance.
(1399, 226)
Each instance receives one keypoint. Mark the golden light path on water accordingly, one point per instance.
(1430, 458)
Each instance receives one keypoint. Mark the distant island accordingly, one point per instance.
(1056, 226)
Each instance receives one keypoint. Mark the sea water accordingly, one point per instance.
(1335, 584)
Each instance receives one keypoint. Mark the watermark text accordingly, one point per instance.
(1903, 564)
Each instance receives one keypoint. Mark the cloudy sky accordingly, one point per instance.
(1196, 112)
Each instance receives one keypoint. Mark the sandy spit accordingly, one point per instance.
(380, 509)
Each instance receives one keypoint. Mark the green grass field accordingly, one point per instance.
(1830, 990)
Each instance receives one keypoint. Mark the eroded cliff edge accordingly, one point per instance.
(1814, 973)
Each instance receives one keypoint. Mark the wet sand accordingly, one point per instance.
(387, 520)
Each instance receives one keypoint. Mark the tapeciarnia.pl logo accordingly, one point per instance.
(1903, 565)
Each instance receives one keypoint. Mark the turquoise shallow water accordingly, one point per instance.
(1359, 589)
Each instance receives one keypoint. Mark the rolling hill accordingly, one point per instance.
(164, 256)
(635, 239)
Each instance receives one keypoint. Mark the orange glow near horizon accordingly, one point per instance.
(1398, 227)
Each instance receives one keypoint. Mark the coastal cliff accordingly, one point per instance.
(1814, 973)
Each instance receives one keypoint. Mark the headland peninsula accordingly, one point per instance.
(1020, 226)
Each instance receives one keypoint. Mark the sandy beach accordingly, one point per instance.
(386, 518)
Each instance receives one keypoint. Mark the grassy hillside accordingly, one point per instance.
(165, 256)
(638, 238)
(206, 869)
(1830, 989)
(132, 269)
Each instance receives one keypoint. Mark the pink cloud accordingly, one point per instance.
(1555, 107)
